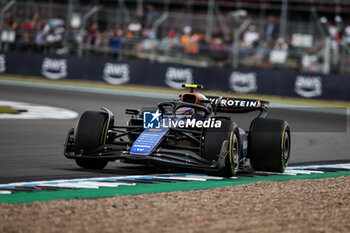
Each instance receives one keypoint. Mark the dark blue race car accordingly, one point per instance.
(195, 132)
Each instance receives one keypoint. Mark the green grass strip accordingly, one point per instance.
(8, 110)
(23, 197)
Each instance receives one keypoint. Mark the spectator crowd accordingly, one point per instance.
(258, 45)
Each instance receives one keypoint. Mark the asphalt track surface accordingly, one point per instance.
(33, 149)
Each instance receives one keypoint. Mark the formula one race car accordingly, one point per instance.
(187, 133)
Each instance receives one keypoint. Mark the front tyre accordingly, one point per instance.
(89, 135)
(221, 139)
(269, 145)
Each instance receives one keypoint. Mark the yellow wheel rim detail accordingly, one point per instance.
(230, 154)
(103, 131)
(282, 148)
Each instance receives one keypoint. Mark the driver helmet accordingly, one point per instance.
(185, 112)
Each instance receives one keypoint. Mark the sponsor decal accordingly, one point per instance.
(243, 82)
(53, 68)
(307, 86)
(2, 63)
(148, 141)
(116, 73)
(154, 120)
(175, 77)
(236, 103)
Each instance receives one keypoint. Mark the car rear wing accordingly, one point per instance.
(237, 105)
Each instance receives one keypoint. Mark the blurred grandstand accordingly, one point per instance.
(306, 36)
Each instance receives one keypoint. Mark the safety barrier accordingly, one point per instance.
(268, 82)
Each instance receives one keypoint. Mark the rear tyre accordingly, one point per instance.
(89, 135)
(213, 143)
(269, 145)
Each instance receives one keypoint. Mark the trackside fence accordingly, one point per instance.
(250, 81)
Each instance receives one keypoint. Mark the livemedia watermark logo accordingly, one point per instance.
(155, 120)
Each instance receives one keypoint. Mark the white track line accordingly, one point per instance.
(103, 184)
(304, 171)
(5, 192)
(181, 178)
(342, 165)
(118, 183)
(98, 184)
(49, 182)
(36, 111)
(205, 177)
(288, 173)
(70, 185)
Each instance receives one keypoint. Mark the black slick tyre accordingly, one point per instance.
(269, 145)
(89, 135)
(214, 141)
